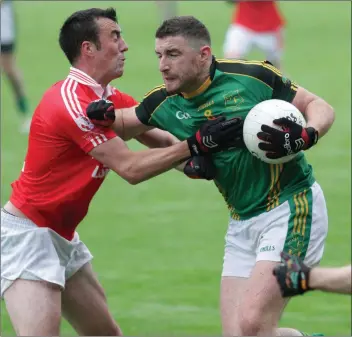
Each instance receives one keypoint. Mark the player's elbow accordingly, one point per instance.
(128, 173)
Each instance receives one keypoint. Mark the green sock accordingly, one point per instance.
(22, 105)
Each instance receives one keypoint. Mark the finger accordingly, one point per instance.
(110, 115)
(270, 130)
(285, 256)
(266, 137)
(233, 123)
(110, 107)
(219, 119)
(283, 121)
(266, 146)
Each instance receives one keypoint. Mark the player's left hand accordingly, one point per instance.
(292, 139)
(101, 112)
(200, 167)
(292, 275)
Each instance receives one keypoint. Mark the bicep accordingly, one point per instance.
(303, 98)
(127, 125)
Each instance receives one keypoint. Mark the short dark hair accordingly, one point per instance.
(186, 26)
(82, 26)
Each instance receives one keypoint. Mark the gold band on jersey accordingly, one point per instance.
(258, 63)
(198, 91)
(301, 212)
(154, 90)
(274, 191)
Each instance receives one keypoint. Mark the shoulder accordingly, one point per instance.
(150, 103)
(263, 71)
(155, 97)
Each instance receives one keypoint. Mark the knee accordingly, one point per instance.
(111, 329)
(252, 321)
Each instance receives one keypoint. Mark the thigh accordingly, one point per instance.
(299, 227)
(27, 252)
(261, 303)
(84, 305)
(240, 244)
(34, 307)
(239, 260)
(238, 42)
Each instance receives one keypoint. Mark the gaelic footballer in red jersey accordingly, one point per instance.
(255, 24)
(59, 178)
(43, 260)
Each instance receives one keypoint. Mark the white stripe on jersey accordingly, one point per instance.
(65, 98)
(71, 88)
(73, 106)
(83, 77)
(93, 142)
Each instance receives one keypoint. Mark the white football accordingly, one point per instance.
(264, 113)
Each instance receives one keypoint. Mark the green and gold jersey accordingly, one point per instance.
(248, 185)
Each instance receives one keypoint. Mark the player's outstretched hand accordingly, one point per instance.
(292, 139)
(200, 167)
(216, 135)
(101, 112)
(292, 275)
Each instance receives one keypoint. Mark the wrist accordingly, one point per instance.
(311, 136)
(194, 146)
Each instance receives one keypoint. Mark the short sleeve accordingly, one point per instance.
(151, 101)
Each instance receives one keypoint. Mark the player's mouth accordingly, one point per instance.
(169, 79)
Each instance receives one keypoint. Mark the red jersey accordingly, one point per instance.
(259, 16)
(59, 178)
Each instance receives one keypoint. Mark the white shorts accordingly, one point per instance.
(33, 253)
(298, 226)
(7, 23)
(239, 41)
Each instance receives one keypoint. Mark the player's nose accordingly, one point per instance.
(163, 65)
(124, 46)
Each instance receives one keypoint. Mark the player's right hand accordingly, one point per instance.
(292, 275)
(216, 135)
(101, 112)
(200, 167)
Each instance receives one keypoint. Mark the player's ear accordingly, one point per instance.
(87, 48)
(205, 53)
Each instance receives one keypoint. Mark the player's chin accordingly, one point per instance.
(119, 72)
(172, 87)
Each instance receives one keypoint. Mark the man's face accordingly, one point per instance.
(110, 58)
(179, 64)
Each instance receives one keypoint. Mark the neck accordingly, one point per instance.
(93, 73)
(200, 81)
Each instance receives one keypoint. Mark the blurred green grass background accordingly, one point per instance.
(158, 246)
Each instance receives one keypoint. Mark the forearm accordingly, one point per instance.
(157, 138)
(146, 164)
(319, 115)
(331, 279)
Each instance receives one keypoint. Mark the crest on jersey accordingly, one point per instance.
(84, 123)
(233, 99)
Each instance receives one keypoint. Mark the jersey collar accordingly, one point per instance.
(206, 84)
(81, 77)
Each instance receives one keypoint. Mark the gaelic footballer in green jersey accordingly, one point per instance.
(272, 207)
(249, 186)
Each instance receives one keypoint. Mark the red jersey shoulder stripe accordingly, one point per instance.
(74, 108)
